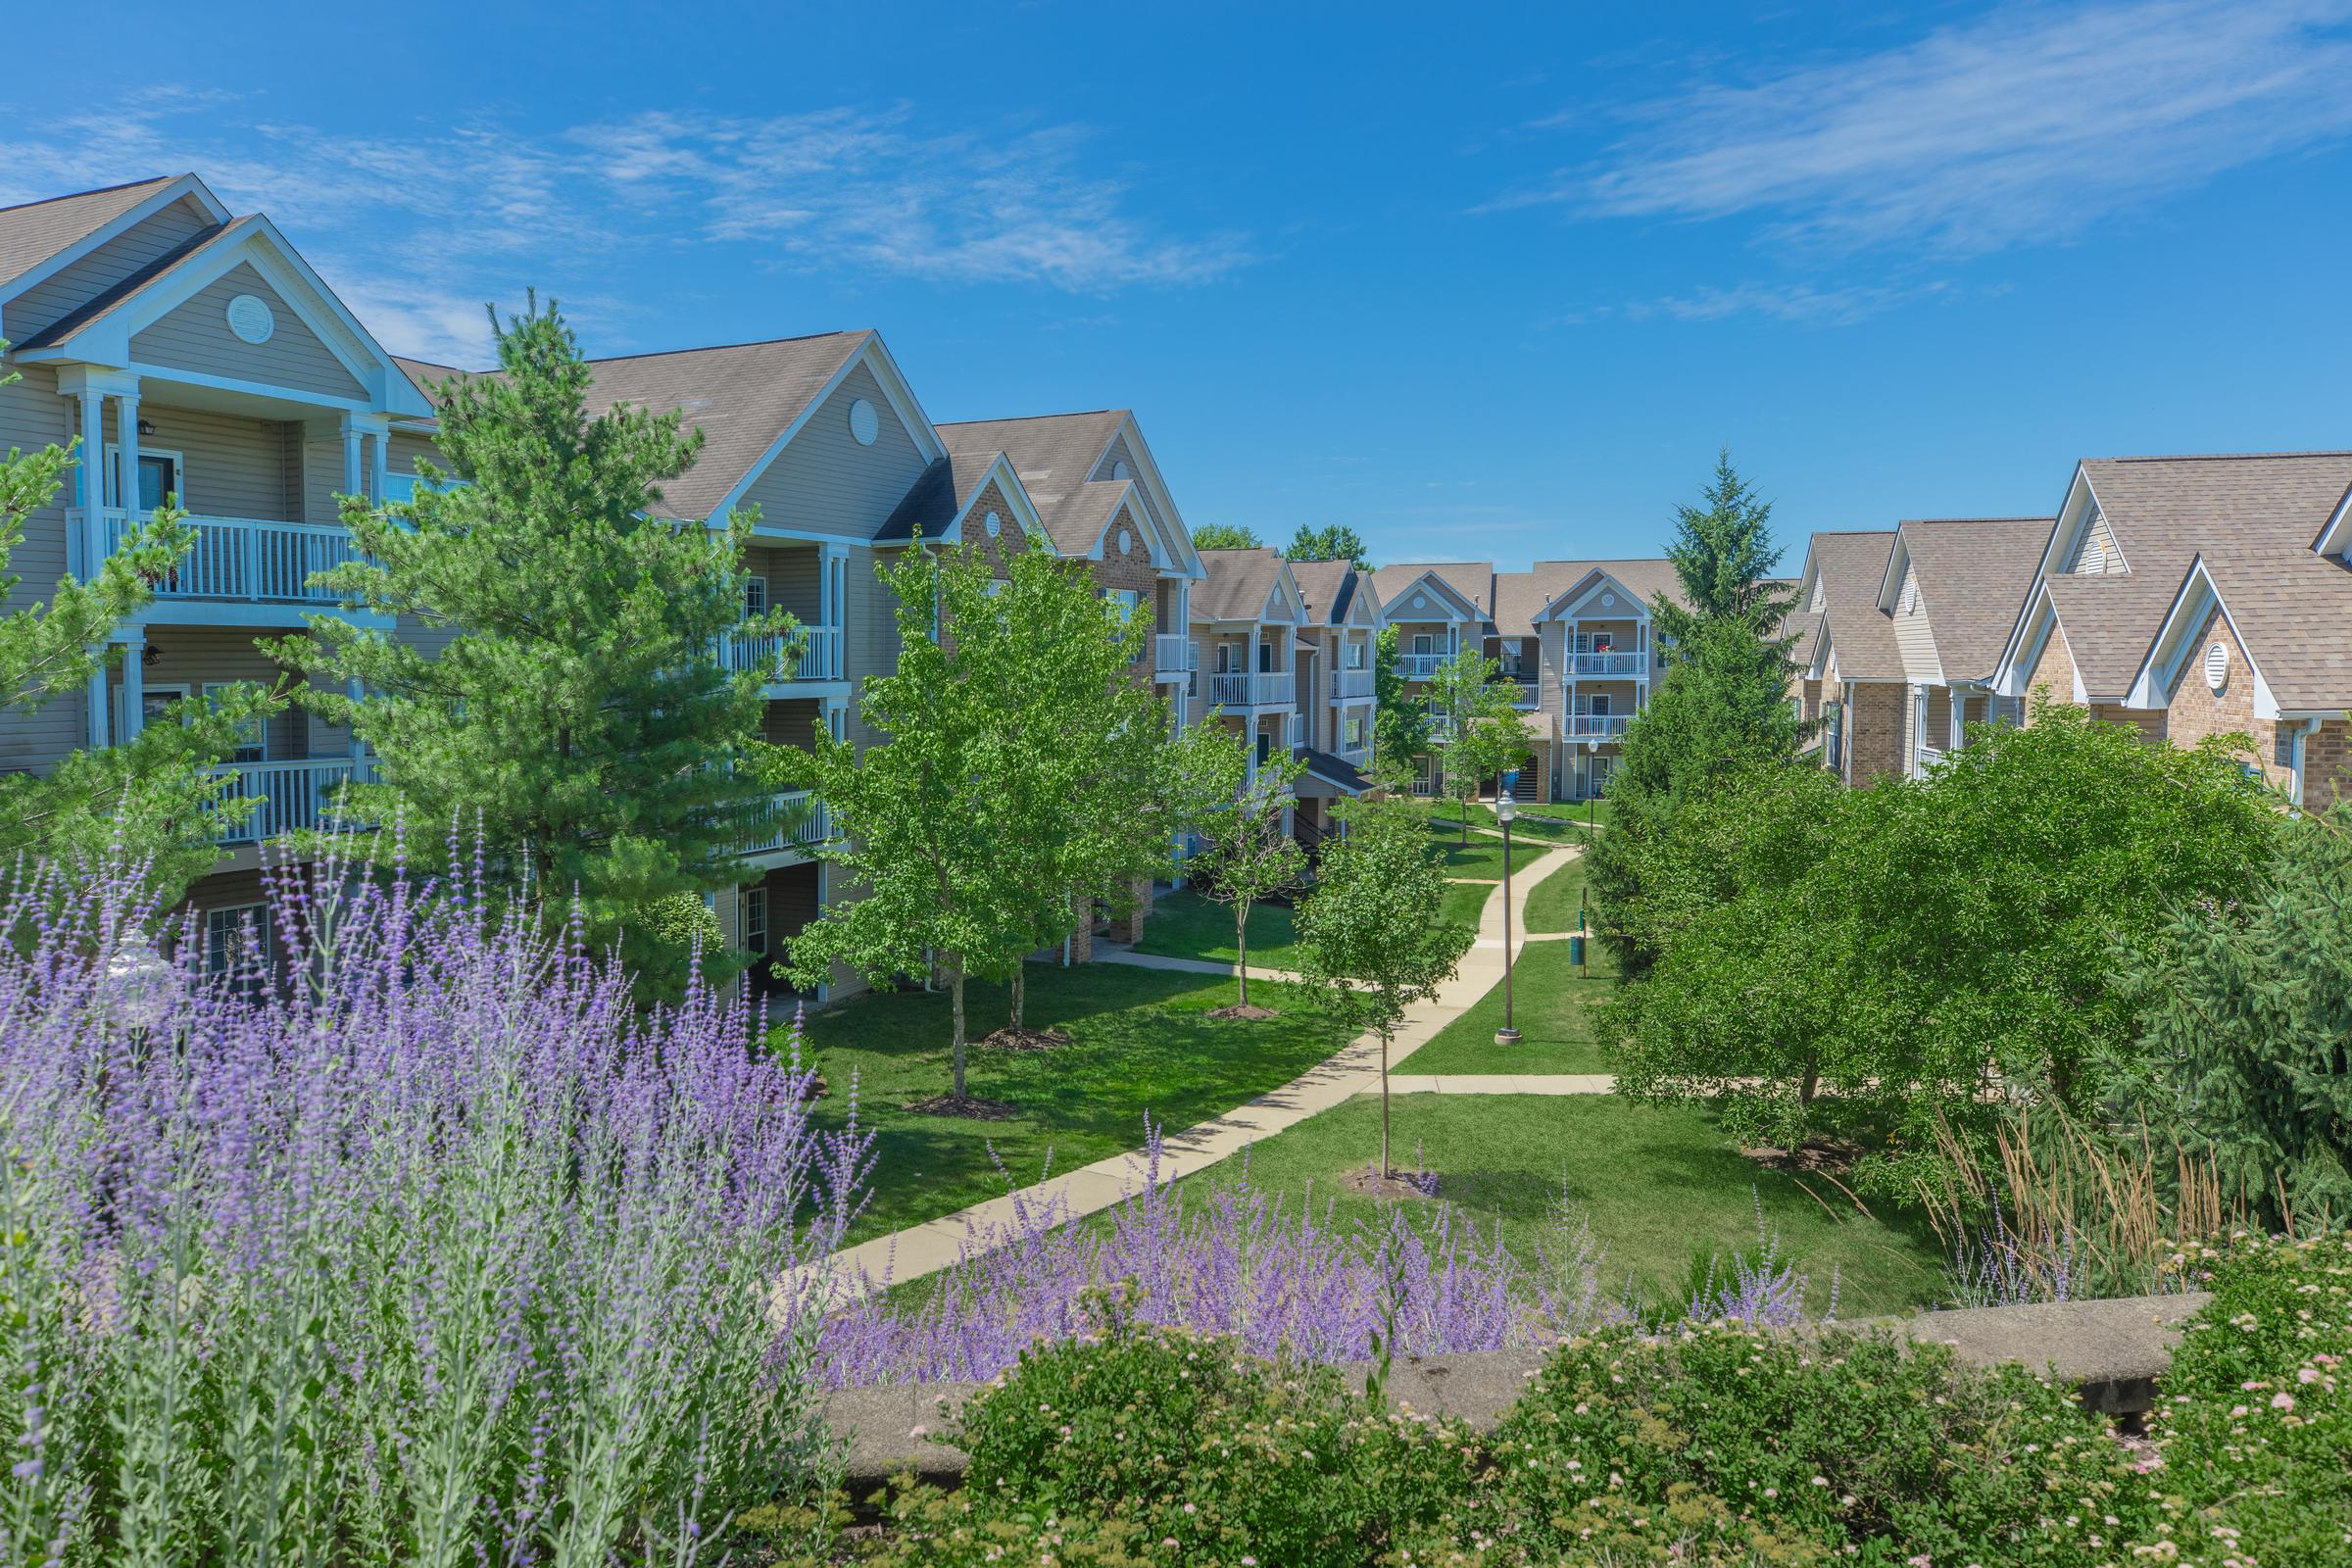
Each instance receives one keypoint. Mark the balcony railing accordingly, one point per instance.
(1929, 756)
(1276, 688)
(290, 796)
(1608, 666)
(1174, 658)
(1346, 684)
(238, 557)
(1357, 755)
(1293, 729)
(820, 655)
(793, 820)
(1594, 727)
(1421, 667)
(1526, 694)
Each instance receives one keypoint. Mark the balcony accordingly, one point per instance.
(291, 796)
(1358, 755)
(1608, 666)
(1594, 727)
(1278, 688)
(1350, 685)
(1524, 693)
(237, 559)
(1174, 659)
(820, 655)
(1421, 667)
(793, 822)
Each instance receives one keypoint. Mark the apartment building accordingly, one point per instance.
(1951, 591)
(1336, 697)
(197, 358)
(1856, 663)
(1250, 622)
(2193, 595)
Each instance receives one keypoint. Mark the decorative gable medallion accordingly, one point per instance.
(1126, 541)
(250, 318)
(864, 424)
(1420, 601)
(1607, 601)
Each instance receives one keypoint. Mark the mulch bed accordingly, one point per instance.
(1819, 1153)
(1248, 1011)
(1012, 1039)
(972, 1108)
(1395, 1184)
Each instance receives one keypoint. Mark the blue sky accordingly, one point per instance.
(1485, 281)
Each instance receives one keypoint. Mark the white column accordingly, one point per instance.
(135, 686)
(381, 468)
(92, 456)
(126, 444)
(352, 437)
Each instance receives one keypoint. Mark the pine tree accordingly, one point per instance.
(1334, 541)
(578, 719)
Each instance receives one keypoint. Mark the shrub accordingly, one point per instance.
(407, 1240)
(2255, 1430)
(1866, 1445)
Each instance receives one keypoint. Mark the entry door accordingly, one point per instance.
(1603, 767)
(159, 477)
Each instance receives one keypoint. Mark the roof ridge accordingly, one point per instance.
(94, 191)
(2020, 517)
(1018, 418)
(2227, 456)
(713, 348)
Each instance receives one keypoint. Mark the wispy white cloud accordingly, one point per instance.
(416, 229)
(1799, 304)
(2031, 123)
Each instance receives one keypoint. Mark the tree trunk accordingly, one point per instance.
(1806, 1088)
(1240, 948)
(1384, 1105)
(955, 994)
(1020, 992)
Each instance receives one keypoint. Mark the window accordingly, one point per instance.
(755, 921)
(160, 478)
(1265, 657)
(1909, 602)
(1605, 642)
(1355, 656)
(754, 597)
(1424, 643)
(404, 488)
(154, 702)
(253, 739)
(1600, 704)
(1129, 602)
(228, 931)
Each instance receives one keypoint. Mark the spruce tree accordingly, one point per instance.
(578, 719)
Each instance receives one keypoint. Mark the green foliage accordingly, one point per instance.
(1480, 731)
(2249, 1028)
(1334, 541)
(156, 799)
(669, 933)
(2256, 1417)
(1373, 932)
(577, 720)
(1922, 947)
(1400, 721)
(1226, 536)
(1720, 707)
(1846, 1443)
(1248, 856)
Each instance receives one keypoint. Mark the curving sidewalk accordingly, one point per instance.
(1354, 1069)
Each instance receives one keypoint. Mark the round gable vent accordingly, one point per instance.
(1606, 600)
(864, 424)
(1420, 601)
(1126, 541)
(1118, 470)
(2216, 667)
(250, 318)
(990, 523)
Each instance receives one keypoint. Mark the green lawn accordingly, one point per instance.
(1550, 1002)
(1185, 925)
(1141, 1043)
(1555, 822)
(1552, 904)
(1482, 857)
(1658, 1186)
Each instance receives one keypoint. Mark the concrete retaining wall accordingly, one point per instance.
(2115, 1352)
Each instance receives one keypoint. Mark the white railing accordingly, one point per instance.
(1608, 666)
(1357, 756)
(820, 655)
(1929, 756)
(1351, 683)
(1526, 694)
(1421, 667)
(288, 796)
(236, 558)
(1294, 730)
(1174, 658)
(793, 819)
(1594, 727)
(1252, 689)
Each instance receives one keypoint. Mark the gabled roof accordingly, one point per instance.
(1521, 597)
(95, 311)
(1330, 589)
(2289, 610)
(1343, 775)
(1849, 566)
(1464, 586)
(1974, 574)
(34, 233)
(1238, 583)
(1644, 579)
(939, 499)
(2163, 514)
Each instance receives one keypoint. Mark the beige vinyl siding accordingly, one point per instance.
(194, 655)
(58, 296)
(792, 580)
(871, 634)
(1915, 638)
(32, 416)
(235, 466)
(196, 337)
(401, 452)
(825, 482)
(793, 722)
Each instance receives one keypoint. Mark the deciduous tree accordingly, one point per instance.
(1247, 856)
(1400, 721)
(1226, 536)
(1478, 730)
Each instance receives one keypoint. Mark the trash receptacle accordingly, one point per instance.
(1576, 947)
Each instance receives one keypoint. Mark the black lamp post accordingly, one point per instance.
(1506, 811)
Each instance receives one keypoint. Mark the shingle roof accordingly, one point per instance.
(1343, 774)
(1240, 581)
(1055, 454)
(1520, 596)
(2294, 609)
(1328, 587)
(939, 496)
(741, 397)
(1473, 580)
(1645, 577)
(1974, 574)
(1802, 628)
(1851, 565)
(2163, 511)
(91, 312)
(33, 232)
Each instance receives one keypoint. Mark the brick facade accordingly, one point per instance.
(2052, 678)
(1874, 729)
(2328, 765)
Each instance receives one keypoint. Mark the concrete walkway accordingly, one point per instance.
(1354, 1069)
(1500, 1083)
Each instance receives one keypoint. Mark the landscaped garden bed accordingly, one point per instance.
(1185, 925)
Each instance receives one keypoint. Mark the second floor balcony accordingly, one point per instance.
(1594, 727)
(820, 654)
(1242, 688)
(234, 560)
(1173, 658)
(794, 820)
(1421, 667)
(1350, 685)
(289, 796)
(1609, 664)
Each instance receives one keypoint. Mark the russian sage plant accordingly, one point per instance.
(404, 1238)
